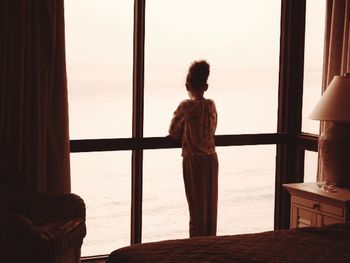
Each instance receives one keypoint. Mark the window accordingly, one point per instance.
(103, 181)
(244, 69)
(99, 68)
(243, 82)
(246, 192)
(165, 212)
(311, 160)
(313, 67)
(244, 61)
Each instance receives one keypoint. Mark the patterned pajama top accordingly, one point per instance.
(194, 122)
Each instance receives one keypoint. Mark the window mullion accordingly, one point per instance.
(137, 120)
(290, 156)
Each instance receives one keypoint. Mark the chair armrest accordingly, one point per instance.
(43, 207)
(13, 226)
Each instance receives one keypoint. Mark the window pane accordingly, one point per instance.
(103, 181)
(246, 189)
(246, 192)
(165, 213)
(311, 161)
(99, 42)
(240, 39)
(314, 38)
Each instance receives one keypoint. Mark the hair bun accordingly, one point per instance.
(198, 73)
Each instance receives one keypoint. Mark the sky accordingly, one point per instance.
(240, 39)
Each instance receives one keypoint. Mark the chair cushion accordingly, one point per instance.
(62, 234)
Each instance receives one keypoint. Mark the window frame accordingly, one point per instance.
(289, 139)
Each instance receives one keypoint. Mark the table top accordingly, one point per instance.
(315, 189)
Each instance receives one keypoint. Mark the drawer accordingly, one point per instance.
(318, 206)
(305, 218)
(326, 220)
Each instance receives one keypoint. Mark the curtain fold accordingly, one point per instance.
(336, 48)
(336, 56)
(34, 138)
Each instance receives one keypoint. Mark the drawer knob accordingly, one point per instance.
(316, 206)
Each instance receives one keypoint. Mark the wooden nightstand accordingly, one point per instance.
(313, 206)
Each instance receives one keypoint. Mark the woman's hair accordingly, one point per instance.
(198, 74)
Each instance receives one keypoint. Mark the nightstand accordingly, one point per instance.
(313, 206)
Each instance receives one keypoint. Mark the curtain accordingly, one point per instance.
(34, 139)
(337, 49)
(336, 56)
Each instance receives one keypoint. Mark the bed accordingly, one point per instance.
(324, 244)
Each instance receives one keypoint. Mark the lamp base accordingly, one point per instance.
(334, 150)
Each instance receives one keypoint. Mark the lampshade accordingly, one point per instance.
(334, 141)
(334, 104)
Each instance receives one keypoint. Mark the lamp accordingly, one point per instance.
(334, 142)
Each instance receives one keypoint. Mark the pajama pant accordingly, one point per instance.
(201, 184)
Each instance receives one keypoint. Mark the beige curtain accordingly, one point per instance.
(34, 141)
(337, 49)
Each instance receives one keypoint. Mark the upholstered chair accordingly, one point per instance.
(41, 227)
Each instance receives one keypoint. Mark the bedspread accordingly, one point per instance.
(325, 244)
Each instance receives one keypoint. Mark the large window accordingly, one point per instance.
(241, 41)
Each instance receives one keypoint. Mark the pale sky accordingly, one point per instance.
(239, 38)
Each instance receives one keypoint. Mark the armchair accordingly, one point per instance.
(41, 227)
